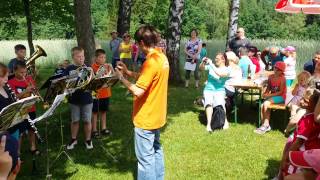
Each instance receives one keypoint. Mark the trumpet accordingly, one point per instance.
(35, 90)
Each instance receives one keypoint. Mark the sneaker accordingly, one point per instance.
(95, 134)
(209, 129)
(105, 132)
(89, 144)
(226, 126)
(72, 143)
(262, 129)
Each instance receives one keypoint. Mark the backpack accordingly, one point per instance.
(218, 118)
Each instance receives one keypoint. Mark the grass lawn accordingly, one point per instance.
(190, 152)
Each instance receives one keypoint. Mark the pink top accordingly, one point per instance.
(275, 83)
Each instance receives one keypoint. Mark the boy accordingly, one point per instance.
(245, 63)
(80, 103)
(101, 101)
(20, 51)
(62, 67)
(306, 136)
(23, 85)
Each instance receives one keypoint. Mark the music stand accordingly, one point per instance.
(94, 85)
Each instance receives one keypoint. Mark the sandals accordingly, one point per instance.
(105, 132)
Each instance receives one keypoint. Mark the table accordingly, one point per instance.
(250, 85)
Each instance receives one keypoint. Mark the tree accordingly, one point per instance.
(233, 19)
(26, 4)
(84, 31)
(124, 15)
(174, 37)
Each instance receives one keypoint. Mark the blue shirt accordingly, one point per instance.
(213, 83)
(309, 66)
(79, 97)
(244, 63)
(203, 53)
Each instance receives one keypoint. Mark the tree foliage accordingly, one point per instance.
(54, 19)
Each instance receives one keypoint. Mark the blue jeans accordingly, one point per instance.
(149, 154)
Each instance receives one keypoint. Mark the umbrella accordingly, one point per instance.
(297, 6)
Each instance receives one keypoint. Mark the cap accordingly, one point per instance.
(280, 65)
(114, 31)
(306, 159)
(290, 49)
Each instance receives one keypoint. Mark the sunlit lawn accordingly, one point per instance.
(190, 152)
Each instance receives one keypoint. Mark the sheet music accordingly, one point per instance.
(57, 101)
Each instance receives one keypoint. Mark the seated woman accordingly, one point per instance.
(274, 94)
(214, 92)
(235, 76)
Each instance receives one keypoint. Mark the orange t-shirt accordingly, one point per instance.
(150, 110)
(102, 92)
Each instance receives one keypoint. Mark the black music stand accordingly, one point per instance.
(94, 85)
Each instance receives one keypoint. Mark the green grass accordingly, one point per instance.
(190, 152)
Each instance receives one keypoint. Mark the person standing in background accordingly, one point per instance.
(114, 47)
(239, 41)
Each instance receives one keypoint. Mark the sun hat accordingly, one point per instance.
(309, 159)
(114, 31)
(290, 49)
(280, 65)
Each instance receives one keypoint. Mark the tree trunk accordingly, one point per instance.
(26, 5)
(173, 39)
(84, 31)
(124, 15)
(233, 20)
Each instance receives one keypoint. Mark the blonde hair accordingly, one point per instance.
(231, 56)
(304, 75)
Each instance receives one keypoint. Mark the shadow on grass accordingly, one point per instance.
(272, 169)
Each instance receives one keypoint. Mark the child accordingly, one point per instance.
(294, 105)
(101, 102)
(80, 103)
(306, 136)
(203, 52)
(62, 67)
(245, 63)
(23, 85)
(274, 94)
(20, 51)
(290, 60)
(254, 57)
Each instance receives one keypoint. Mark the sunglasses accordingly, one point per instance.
(126, 36)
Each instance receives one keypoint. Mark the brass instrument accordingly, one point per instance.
(104, 70)
(35, 90)
(79, 78)
(31, 60)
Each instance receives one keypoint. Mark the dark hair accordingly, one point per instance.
(195, 30)
(317, 52)
(147, 34)
(243, 51)
(19, 47)
(204, 45)
(253, 49)
(3, 70)
(77, 48)
(19, 64)
(99, 52)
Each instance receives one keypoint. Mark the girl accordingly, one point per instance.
(290, 60)
(214, 92)
(192, 50)
(294, 105)
(274, 94)
(252, 53)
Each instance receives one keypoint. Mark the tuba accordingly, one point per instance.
(37, 53)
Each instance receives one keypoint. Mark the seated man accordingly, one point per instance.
(311, 64)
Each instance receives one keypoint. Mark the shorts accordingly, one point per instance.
(128, 62)
(81, 112)
(289, 82)
(214, 98)
(100, 105)
(277, 99)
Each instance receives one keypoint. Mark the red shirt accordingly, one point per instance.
(18, 86)
(275, 84)
(309, 131)
(255, 61)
